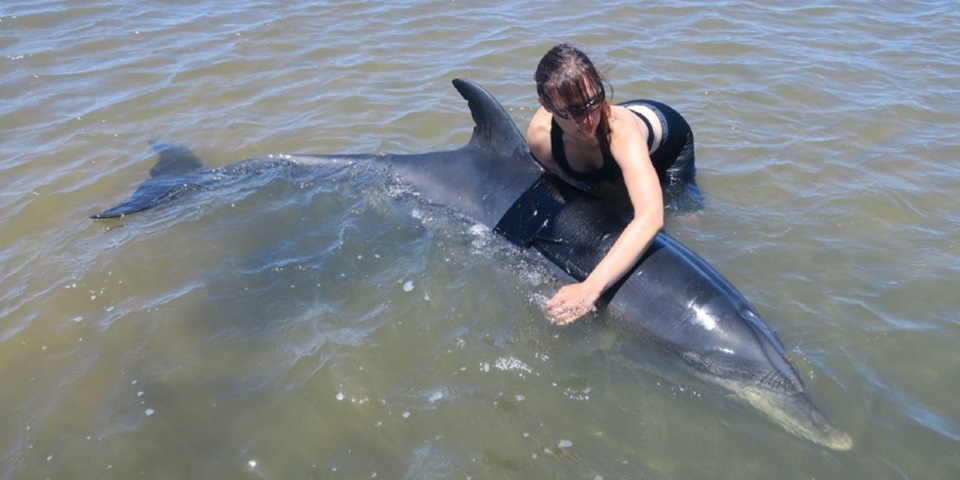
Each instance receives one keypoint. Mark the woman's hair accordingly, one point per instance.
(566, 76)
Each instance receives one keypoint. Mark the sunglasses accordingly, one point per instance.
(580, 111)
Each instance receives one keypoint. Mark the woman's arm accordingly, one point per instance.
(629, 148)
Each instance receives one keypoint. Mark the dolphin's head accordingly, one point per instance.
(752, 365)
(725, 337)
(798, 415)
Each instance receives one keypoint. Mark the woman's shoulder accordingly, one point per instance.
(541, 122)
(625, 124)
(622, 115)
(538, 133)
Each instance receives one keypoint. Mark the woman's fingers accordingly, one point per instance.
(565, 314)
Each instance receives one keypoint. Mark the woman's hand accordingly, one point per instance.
(571, 302)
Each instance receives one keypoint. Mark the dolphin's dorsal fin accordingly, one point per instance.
(493, 128)
(175, 159)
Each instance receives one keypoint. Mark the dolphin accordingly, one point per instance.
(671, 299)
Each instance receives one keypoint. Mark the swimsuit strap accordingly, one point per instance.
(649, 130)
(559, 154)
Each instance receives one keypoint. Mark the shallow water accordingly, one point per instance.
(333, 326)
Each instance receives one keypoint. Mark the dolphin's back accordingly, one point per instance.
(482, 178)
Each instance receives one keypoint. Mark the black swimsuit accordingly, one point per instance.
(610, 170)
(672, 156)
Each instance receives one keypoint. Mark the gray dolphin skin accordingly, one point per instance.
(672, 299)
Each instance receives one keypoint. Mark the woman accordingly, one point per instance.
(642, 149)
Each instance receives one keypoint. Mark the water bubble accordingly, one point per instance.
(408, 286)
(477, 229)
(511, 363)
(149, 412)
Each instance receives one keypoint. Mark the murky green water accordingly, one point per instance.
(335, 327)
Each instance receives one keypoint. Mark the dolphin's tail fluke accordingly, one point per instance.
(175, 172)
(166, 182)
(798, 415)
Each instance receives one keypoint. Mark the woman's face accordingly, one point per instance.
(581, 119)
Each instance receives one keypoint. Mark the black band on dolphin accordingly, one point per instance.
(570, 227)
(530, 214)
